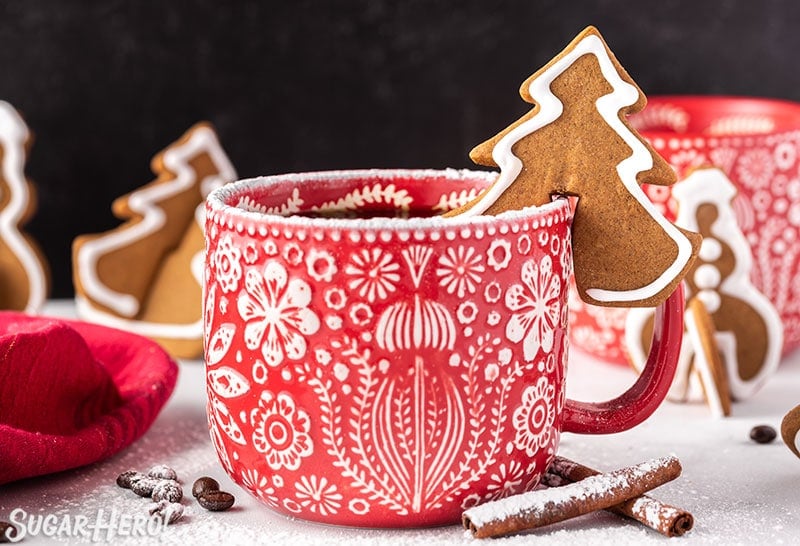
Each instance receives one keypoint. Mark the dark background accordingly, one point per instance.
(308, 85)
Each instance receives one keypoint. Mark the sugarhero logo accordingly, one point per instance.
(103, 527)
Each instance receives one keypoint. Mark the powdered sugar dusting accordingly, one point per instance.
(739, 492)
(592, 493)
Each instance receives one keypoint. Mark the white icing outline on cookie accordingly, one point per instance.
(13, 136)
(550, 109)
(145, 202)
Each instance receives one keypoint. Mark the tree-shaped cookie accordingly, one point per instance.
(749, 332)
(576, 142)
(146, 275)
(24, 278)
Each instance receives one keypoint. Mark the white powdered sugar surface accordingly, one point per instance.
(739, 492)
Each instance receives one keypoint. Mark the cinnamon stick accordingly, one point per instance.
(664, 518)
(547, 506)
(707, 361)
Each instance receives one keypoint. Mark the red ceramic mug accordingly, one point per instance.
(756, 142)
(392, 367)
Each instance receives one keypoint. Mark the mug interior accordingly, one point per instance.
(357, 194)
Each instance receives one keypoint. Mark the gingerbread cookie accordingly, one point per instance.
(790, 430)
(145, 276)
(576, 142)
(24, 278)
(749, 330)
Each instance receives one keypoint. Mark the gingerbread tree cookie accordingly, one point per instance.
(145, 276)
(24, 280)
(749, 332)
(576, 142)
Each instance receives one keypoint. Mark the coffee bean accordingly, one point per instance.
(7, 531)
(162, 472)
(216, 501)
(144, 486)
(171, 511)
(125, 479)
(204, 484)
(763, 434)
(167, 490)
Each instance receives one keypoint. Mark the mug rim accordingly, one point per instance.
(218, 203)
(785, 108)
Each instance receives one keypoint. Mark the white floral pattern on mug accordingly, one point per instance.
(277, 314)
(536, 307)
(281, 431)
(533, 420)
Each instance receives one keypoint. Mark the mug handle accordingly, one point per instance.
(641, 400)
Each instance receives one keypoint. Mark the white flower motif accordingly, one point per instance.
(223, 305)
(524, 244)
(281, 431)
(321, 265)
(335, 298)
(277, 314)
(270, 248)
(493, 318)
(318, 495)
(499, 254)
(259, 486)
(459, 270)
(536, 307)
(505, 481)
(491, 371)
(361, 314)
(467, 312)
(323, 356)
(250, 253)
(293, 254)
(533, 419)
(374, 272)
(785, 155)
(492, 292)
(755, 168)
(226, 263)
(334, 322)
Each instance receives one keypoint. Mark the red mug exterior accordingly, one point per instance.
(391, 372)
(757, 143)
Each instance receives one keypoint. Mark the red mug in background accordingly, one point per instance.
(757, 143)
(371, 363)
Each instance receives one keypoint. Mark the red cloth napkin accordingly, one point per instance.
(73, 393)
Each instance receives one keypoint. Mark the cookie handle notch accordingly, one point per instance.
(641, 400)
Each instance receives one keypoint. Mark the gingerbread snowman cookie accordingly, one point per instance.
(576, 141)
(145, 276)
(24, 278)
(749, 333)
